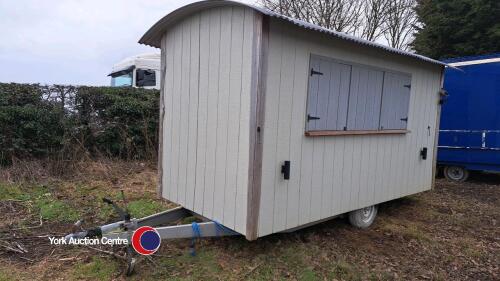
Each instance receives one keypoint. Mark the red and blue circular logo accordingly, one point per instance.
(146, 240)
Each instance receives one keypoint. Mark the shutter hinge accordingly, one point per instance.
(314, 72)
(309, 117)
(408, 86)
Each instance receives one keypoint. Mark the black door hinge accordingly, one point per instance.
(314, 72)
(309, 117)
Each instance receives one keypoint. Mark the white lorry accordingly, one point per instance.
(140, 71)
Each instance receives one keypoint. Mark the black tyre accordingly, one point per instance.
(456, 173)
(363, 218)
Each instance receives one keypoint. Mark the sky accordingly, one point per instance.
(73, 42)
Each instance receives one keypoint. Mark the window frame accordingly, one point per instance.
(378, 131)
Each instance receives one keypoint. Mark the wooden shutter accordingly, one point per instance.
(365, 98)
(395, 101)
(328, 94)
(312, 95)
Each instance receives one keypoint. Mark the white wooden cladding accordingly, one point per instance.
(335, 174)
(345, 96)
(207, 111)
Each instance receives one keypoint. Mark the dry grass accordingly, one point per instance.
(449, 233)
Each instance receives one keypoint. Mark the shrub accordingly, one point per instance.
(68, 122)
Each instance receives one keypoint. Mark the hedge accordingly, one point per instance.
(69, 122)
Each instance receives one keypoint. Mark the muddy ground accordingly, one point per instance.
(449, 233)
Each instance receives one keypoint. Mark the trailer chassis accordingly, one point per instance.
(124, 228)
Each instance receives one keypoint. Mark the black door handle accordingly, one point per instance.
(285, 170)
(309, 117)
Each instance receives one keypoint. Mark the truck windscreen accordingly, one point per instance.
(122, 79)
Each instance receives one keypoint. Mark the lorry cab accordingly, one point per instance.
(140, 71)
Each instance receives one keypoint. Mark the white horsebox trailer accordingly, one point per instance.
(270, 124)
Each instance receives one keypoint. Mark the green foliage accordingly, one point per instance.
(56, 210)
(67, 122)
(10, 192)
(143, 207)
(453, 28)
(97, 269)
(49, 207)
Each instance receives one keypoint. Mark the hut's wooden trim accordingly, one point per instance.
(358, 132)
(257, 103)
(159, 190)
(436, 133)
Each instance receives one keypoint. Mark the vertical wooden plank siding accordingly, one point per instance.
(222, 113)
(233, 126)
(301, 66)
(162, 78)
(184, 110)
(270, 164)
(165, 158)
(335, 174)
(194, 68)
(201, 146)
(246, 139)
(205, 159)
(284, 111)
(175, 125)
(213, 99)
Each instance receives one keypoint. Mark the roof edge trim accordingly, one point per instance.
(153, 36)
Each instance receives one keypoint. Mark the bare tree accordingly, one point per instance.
(374, 17)
(399, 24)
(368, 19)
(338, 15)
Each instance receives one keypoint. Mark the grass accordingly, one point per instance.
(56, 210)
(143, 207)
(308, 274)
(97, 269)
(422, 224)
(470, 248)
(408, 230)
(53, 209)
(203, 266)
(48, 207)
(10, 273)
(11, 192)
(4, 276)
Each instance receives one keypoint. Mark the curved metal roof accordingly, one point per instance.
(153, 36)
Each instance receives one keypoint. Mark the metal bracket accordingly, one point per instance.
(309, 117)
(314, 72)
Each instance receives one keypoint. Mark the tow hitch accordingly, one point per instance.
(125, 228)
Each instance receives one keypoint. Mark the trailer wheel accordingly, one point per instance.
(363, 218)
(456, 174)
